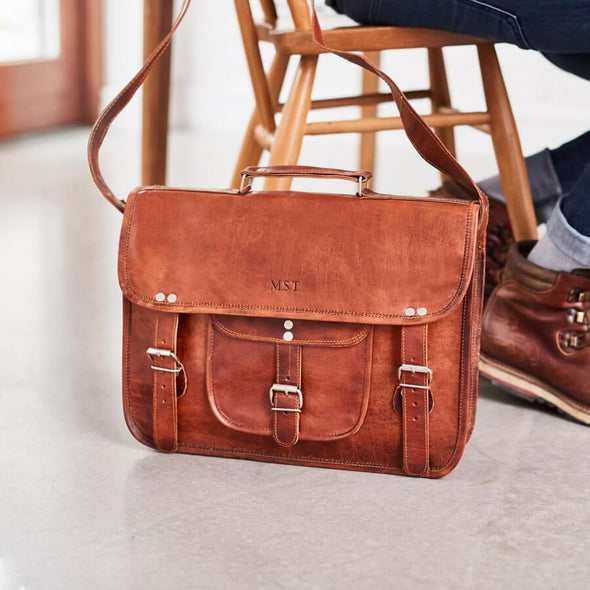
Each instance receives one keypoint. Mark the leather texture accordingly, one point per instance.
(313, 329)
(538, 325)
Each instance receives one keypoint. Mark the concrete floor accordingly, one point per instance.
(84, 506)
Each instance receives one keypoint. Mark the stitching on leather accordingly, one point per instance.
(291, 416)
(276, 436)
(251, 338)
(472, 393)
(404, 411)
(139, 297)
(425, 403)
(173, 382)
(291, 459)
(298, 367)
(155, 389)
(212, 381)
(460, 408)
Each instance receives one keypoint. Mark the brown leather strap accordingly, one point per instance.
(287, 406)
(416, 398)
(166, 370)
(422, 137)
(109, 114)
(424, 140)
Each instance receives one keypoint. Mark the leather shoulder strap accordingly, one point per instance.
(424, 140)
(422, 137)
(113, 109)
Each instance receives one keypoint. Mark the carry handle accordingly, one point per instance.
(362, 177)
(424, 140)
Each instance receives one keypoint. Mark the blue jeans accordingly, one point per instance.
(559, 29)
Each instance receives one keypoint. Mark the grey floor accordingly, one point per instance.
(83, 506)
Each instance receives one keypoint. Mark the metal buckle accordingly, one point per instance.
(154, 353)
(415, 369)
(399, 391)
(287, 390)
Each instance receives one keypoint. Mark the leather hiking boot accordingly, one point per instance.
(499, 236)
(536, 334)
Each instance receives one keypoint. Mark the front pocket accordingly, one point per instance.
(328, 363)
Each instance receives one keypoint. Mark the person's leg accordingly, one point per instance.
(553, 174)
(570, 161)
(549, 26)
(566, 245)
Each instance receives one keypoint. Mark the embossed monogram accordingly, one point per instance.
(282, 285)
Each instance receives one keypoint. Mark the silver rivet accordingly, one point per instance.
(160, 297)
(422, 311)
(172, 298)
(288, 336)
(288, 325)
(410, 312)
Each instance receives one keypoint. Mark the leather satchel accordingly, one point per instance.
(326, 330)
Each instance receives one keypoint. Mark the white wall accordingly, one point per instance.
(211, 91)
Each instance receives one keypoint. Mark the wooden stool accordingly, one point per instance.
(284, 139)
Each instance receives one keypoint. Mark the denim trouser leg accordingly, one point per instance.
(558, 28)
(569, 225)
(570, 161)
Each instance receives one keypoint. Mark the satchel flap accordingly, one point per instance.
(375, 259)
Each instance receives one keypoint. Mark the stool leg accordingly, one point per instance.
(368, 145)
(157, 21)
(251, 150)
(511, 164)
(441, 97)
(288, 138)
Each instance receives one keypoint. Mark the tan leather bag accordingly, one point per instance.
(326, 330)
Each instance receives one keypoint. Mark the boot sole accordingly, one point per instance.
(524, 386)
